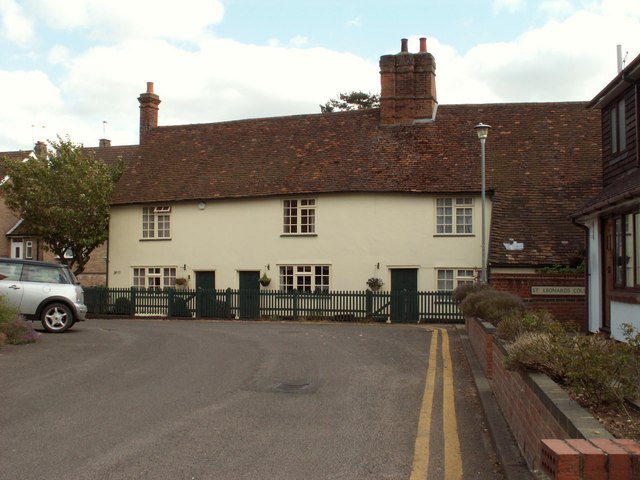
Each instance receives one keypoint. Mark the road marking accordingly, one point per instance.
(421, 450)
(452, 455)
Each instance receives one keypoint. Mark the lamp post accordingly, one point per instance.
(483, 131)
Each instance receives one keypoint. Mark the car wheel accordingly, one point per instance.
(56, 318)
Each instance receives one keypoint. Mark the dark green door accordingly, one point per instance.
(249, 295)
(206, 298)
(404, 295)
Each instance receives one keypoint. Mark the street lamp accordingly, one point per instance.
(483, 131)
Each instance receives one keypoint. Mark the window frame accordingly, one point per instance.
(299, 216)
(305, 278)
(156, 222)
(154, 277)
(454, 216)
(456, 277)
(626, 245)
(618, 121)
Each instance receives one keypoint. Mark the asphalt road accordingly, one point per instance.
(147, 399)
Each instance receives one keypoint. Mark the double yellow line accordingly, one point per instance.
(421, 453)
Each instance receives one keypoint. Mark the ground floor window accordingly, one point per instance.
(308, 278)
(449, 279)
(626, 248)
(154, 277)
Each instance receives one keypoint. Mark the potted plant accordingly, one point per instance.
(265, 280)
(181, 282)
(375, 283)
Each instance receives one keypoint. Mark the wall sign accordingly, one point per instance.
(557, 290)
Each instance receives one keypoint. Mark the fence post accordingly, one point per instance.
(369, 303)
(133, 300)
(198, 302)
(227, 303)
(295, 304)
(170, 303)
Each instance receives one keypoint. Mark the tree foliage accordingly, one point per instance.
(351, 101)
(64, 199)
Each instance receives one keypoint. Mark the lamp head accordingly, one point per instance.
(482, 130)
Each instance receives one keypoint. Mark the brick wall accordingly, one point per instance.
(481, 339)
(564, 307)
(545, 421)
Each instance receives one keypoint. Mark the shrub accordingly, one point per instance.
(540, 351)
(14, 329)
(540, 321)
(595, 369)
(19, 331)
(462, 291)
(122, 306)
(491, 306)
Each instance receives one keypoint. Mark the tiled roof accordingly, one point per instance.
(543, 162)
(624, 189)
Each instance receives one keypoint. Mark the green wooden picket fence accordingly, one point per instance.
(351, 306)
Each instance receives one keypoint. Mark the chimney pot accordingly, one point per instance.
(149, 87)
(404, 45)
(423, 45)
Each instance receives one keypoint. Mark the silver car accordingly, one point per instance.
(43, 291)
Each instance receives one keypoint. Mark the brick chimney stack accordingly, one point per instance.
(40, 150)
(149, 102)
(408, 86)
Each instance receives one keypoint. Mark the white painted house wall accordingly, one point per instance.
(354, 233)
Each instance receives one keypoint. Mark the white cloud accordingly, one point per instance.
(16, 26)
(28, 116)
(509, 5)
(354, 22)
(223, 80)
(561, 61)
(555, 7)
(299, 41)
(118, 19)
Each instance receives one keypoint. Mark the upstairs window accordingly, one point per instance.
(454, 216)
(618, 128)
(299, 217)
(156, 222)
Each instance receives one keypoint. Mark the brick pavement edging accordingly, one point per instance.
(555, 435)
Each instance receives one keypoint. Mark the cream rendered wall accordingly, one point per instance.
(355, 232)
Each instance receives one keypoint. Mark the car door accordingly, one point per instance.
(11, 287)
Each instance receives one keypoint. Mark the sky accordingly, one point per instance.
(76, 67)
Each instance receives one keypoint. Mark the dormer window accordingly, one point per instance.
(156, 222)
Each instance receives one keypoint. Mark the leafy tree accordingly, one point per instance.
(64, 199)
(351, 101)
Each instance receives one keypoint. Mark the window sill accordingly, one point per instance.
(632, 297)
(155, 239)
(299, 235)
(448, 235)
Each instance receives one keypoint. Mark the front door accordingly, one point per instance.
(206, 298)
(404, 295)
(249, 294)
